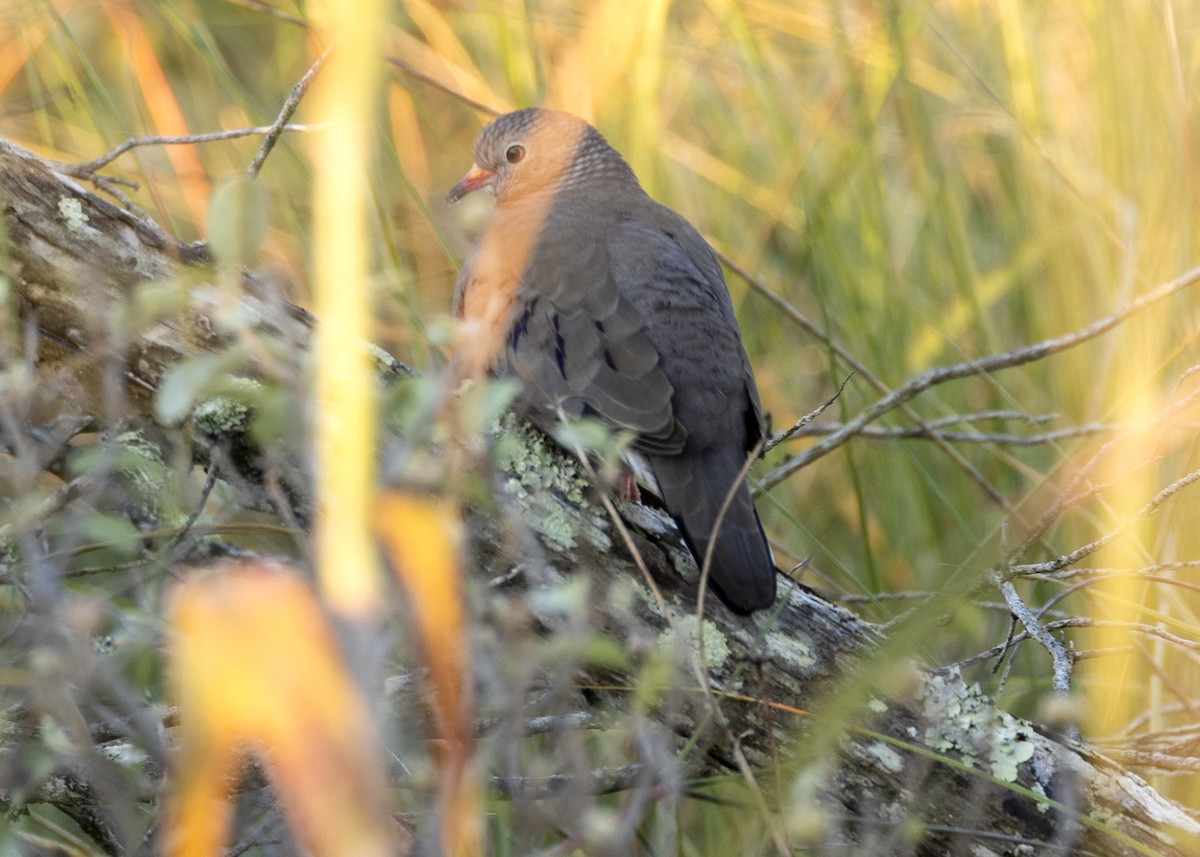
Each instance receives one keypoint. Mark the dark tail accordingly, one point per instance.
(694, 486)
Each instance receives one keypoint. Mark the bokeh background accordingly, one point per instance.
(925, 183)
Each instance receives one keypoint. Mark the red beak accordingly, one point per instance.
(477, 178)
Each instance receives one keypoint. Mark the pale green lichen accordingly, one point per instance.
(877, 705)
(1010, 747)
(71, 210)
(793, 647)
(963, 721)
(550, 486)
(683, 637)
(221, 414)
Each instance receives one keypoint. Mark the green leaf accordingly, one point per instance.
(238, 218)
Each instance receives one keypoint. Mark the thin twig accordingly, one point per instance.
(982, 366)
(996, 438)
(1062, 659)
(619, 523)
(1081, 654)
(86, 170)
(800, 320)
(1069, 559)
(210, 480)
(980, 416)
(285, 113)
(1099, 578)
(806, 419)
(1146, 570)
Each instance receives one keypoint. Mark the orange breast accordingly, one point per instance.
(497, 270)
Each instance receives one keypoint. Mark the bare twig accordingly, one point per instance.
(1084, 654)
(981, 416)
(210, 480)
(1147, 570)
(619, 523)
(983, 366)
(1062, 659)
(285, 113)
(801, 321)
(1069, 559)
(87, 170)
(806, 419)
(997, 438)
(1099, 577)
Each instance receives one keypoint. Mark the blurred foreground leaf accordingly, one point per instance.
(255, 667)
(421, 536)
(238, 218)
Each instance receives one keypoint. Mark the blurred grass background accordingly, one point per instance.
(930, 182)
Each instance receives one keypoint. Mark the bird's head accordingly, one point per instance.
(533, 151)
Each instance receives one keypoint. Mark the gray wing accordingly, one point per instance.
(672, 279)
(578, 345)
(676, 286)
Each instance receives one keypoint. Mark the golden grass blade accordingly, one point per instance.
(345, 420)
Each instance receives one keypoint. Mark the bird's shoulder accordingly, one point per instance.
(676, 285)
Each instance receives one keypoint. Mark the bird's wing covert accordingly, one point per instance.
(580, 346)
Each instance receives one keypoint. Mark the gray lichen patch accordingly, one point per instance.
(794, 647)
(962, 721)
(886, 755)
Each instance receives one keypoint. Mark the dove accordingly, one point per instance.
(602, 303)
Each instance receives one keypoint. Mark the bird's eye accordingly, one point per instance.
(515, 153)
